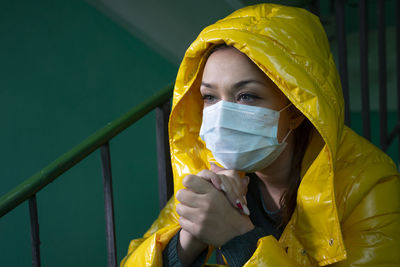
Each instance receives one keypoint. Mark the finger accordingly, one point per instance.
(196, 184)
(232, 174)
(242, 207)
(245, 182)
(211, 177)
(187, 212)
(187, 225)
(238, 186)
(234, 193)
(215, 168)
(188, 198)
(241, 184)
(229, 189)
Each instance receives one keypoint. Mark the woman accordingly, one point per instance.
(258, 93)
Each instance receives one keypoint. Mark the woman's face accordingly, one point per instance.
(231, 76)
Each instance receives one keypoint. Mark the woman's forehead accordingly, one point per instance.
(231, 63)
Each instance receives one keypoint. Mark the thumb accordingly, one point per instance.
(211, 177)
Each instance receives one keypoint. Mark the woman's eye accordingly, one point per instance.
(247, 98)
(208, 98)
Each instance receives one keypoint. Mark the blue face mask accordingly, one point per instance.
(242, 137)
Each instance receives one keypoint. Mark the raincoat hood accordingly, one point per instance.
(290, 46)
(349, 191)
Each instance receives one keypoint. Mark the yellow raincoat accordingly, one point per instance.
(348, 203)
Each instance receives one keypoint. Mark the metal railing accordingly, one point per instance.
(27, 190)
(386, 138)
(161, 102)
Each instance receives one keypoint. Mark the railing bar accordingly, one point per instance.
(395, 132)
(45, 176)
(165, 179)
(342, 48)
(35, 238)
(108, 204)
(365, 110)
(382, 73)
(397, 16)
(314, 7)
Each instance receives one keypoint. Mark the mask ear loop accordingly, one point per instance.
(291, 129)
(287, 135)
(285, 107)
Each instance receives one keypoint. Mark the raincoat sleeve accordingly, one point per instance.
(269, 253)
(147, 251)
(371, 232)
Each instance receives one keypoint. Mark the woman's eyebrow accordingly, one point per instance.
(246, 82)
(208, 85)
(236, 85)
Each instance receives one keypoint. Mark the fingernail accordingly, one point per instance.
(239, 205)
(242, 207)
(223, 188)
(246, 210)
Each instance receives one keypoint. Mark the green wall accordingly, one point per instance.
(65, 71)
(353, 62)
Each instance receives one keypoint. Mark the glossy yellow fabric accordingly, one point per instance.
(348, 205)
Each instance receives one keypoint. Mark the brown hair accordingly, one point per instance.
(301, 139)
(289, 198)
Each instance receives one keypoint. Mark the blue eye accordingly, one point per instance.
(248, 98)
(209, 98)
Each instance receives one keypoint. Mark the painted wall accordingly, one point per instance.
(65, 71)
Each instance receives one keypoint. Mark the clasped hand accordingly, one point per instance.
(208, 207)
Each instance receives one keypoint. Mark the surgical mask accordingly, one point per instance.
(242, 137)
